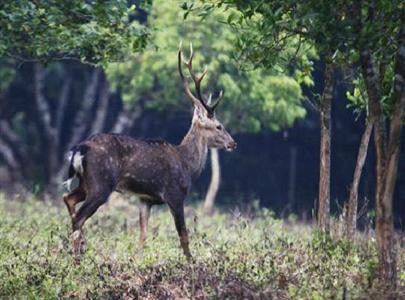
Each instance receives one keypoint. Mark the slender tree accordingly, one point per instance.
(352, 205)
(387, 21)
(213, 188)
(364, 33)
(325, 109)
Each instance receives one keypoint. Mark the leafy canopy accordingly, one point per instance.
(254, 99)
(272, 33)
(93, 31)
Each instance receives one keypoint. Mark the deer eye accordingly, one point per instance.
(219, 127)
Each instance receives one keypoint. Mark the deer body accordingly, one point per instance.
(158, 172)
(145, 168)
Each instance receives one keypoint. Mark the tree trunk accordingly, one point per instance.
(81, 120)
(17, 146)
(102, 109)
(214, 184)
(376, 116)
(386, 165)
(325, 151)
(292, 178)
(48, 132)
(354, 190)
(387, 161)
(62, 103)
(385, 220)
(127, 117)
(11, 161)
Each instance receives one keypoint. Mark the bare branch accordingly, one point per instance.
(14, 141)
(9, 156)
(63, 97)
(9, 133)
(126, 119)
(102, 109)
(41, 103)
(89, 99)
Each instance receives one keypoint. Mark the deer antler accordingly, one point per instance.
(197, 82)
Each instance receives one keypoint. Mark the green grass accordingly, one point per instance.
(255, 257)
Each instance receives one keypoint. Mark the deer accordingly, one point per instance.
(157, 172)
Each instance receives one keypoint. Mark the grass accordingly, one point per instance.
(236, 257)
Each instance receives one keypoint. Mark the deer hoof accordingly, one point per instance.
(189, 257)
(79, 244)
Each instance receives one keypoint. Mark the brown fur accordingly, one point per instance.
(158, 172)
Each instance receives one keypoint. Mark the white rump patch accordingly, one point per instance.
(78, 162)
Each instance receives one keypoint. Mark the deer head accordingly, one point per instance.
(204, 119)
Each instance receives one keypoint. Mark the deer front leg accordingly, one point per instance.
(144, 213)
(178, 215)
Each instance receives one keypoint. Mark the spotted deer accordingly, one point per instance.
(157, 172)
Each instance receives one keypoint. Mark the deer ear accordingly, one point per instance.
(200, 113)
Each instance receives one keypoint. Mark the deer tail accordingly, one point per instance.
(76, 164)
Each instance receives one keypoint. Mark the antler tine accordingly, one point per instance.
(191, 56)
(209, 99)
(197, 80)
(220, 97)
(180, 58)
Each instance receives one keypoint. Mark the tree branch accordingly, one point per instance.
(15, 143)
(63, 97)
(80, 125)
(9, 134)
(9, 156)
(102, 109)
(351, 218)
(41, 103)
(126, 119)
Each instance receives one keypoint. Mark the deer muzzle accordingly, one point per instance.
(231, 146)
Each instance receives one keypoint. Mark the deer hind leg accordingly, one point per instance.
(178, 215)
(144, 213)
(72, 198)
(93, 201)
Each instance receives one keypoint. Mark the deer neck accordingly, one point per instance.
(193, 150)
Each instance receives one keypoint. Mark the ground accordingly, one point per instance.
(249, 255)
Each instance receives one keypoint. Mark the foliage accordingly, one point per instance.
(268, 28)
(254, 99)
(271, 33)
(7, 73)
(268, 34)
(357, 97)
(235, 255)
(92, 31)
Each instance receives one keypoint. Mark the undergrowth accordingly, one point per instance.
(235, 257)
